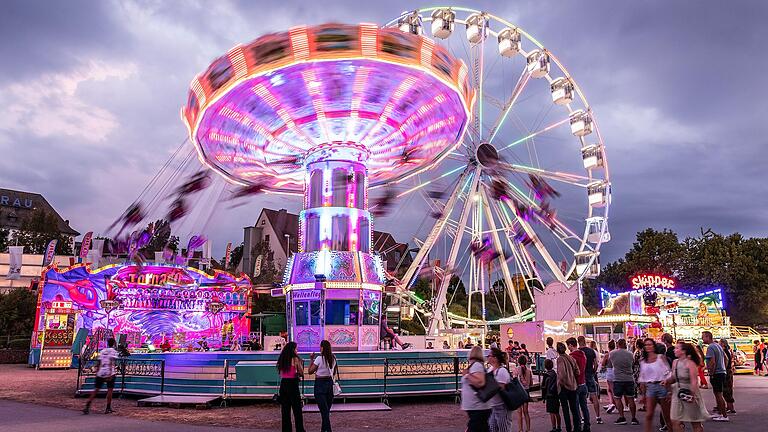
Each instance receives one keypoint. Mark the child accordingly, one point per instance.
(524, 374)
(549, 394)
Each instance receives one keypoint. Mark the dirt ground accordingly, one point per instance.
(57, 388)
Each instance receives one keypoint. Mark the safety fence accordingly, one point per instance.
(127, 369)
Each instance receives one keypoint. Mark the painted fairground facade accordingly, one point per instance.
(157, 304)
(655, 304)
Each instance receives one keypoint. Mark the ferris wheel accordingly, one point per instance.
(524, 199)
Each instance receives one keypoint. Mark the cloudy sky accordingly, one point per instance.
(90, 94)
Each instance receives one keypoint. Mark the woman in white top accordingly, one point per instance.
(501, 418)
(474, 377)
(524, 374)
(654, 371)
(324, 368)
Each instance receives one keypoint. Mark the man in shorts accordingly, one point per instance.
(623, 382)
(715, 361)
(105, 374)
(591, 378)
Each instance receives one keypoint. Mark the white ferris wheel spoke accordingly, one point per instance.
(534, 134)
(507, 107)
(502, 259)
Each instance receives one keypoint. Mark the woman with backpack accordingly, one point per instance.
(524, 374)
(478, 412)
(324, 367)
(291, 369)
(501, 417)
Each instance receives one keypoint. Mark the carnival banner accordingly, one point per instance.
(50, 252)
(227, 255)
(86, 244)
(14, 262)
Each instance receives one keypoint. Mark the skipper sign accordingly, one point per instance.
(652, 281)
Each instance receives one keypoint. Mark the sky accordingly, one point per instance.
(90, 94)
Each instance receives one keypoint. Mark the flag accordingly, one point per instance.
(86, 245)
(14, 262)
(50, 251)
(227, 255)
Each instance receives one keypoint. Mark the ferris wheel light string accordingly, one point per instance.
(525, 138)
(419, 186)
(524, 77)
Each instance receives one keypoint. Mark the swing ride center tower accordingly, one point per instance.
(327, 112)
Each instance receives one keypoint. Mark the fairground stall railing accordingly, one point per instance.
(421, 367)
(137, 372)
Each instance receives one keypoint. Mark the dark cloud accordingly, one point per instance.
(677, 88)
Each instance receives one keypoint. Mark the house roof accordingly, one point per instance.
(16, 205)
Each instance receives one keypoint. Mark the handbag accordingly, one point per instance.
(336, 379)
(514, 395)
(489, 390)
(684, 394)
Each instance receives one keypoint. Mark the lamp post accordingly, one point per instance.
(287, 246)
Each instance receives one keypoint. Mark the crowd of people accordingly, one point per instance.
(640, 376)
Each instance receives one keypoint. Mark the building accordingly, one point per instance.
(281, 230)
(15, 206)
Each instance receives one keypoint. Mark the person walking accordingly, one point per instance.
(623, 382)
(524, 374)
(549, 394)
(591, 376)
(324, 367)
(478, 412)
(105, 374)
(582, 393)
(715, 360)
(567, 384)
(730, 368)
(607, 366)
(702, 378)
(758, 352)
(637, 354)
(687, 404)
(291, 369)
(654, 371)
(501, 418)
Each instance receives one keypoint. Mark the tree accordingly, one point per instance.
(17, 312)
(37, 229)
(4, 234)
(736, 264)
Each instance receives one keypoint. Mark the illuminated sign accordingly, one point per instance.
(652, 281)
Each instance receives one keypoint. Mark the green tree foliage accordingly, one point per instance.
(4, 234)
(737, 264)
(17, 312)
(36, 230)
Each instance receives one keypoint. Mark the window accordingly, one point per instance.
(307, 312)
(371, 309)
(266, 238)
(341, 312)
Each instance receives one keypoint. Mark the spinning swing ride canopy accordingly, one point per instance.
(259, 113)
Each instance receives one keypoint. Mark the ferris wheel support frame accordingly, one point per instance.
(502, 259)
(438, 319)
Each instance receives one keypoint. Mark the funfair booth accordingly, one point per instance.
(655, 304)
(154, 306)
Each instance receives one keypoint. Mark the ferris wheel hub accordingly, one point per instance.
(487, 155)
